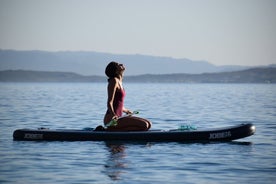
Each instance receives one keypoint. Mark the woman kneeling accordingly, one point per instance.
(115, 103)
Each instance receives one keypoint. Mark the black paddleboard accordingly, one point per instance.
(216, 134)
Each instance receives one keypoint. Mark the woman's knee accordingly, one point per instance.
(132, 121)
(146, 122)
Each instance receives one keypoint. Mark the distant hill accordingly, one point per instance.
(45, 76)
(94, 63)
(255, 75)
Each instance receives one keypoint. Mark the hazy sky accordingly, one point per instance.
(223, 32)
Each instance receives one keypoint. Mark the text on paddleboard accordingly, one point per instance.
(33, 136)
(220, 135)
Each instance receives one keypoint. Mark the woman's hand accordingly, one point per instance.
(128, 112)
(115, 118)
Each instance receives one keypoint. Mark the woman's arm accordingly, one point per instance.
(111, 89)
(127, 111)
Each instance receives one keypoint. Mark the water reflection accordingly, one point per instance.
(116, 162)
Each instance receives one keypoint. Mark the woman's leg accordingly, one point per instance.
(131, 123)
(141, 120)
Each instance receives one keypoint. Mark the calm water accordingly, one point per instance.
(32, 105)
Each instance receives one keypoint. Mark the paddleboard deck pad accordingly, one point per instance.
(216, 134)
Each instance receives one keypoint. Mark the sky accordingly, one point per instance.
(222, 32)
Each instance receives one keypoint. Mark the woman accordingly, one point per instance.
(115, 103)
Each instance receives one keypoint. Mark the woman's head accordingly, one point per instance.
(114, 69)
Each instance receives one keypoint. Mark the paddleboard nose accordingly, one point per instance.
(253, 129)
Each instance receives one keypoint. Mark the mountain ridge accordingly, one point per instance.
(254, 75)
(94, 63)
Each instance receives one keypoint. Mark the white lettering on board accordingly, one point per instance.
(220, 135)
(33, 136)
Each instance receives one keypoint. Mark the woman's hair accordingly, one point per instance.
(112, 70)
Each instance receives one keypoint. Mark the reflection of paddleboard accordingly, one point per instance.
(216, 134)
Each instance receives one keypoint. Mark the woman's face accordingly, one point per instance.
(121, 67)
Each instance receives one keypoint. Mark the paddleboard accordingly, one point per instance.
(215, 134)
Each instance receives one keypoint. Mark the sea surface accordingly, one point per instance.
(81, 105)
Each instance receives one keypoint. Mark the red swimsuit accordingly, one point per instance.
(118, 103)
